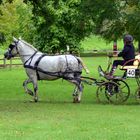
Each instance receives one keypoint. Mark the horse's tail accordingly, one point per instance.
(83, 65)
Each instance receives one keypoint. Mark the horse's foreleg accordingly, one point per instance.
(25, 87)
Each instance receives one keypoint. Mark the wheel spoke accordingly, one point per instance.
(123, 87)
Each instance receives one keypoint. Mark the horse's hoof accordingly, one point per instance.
(75, 100)
(78, 101)
(31, 101)
(35, 99)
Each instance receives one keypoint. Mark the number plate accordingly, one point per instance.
(130, 72)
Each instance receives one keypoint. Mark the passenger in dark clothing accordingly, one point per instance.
(128, 53)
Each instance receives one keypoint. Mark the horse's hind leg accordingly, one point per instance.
(77, 91)
(75, 94)
(80, 89)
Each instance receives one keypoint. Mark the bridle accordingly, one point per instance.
(9, 53)
(11, 47)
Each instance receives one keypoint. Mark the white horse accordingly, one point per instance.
(40, 66)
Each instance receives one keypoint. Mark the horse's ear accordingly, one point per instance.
(15, 40)
(19, 38)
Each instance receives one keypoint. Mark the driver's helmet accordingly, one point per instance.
(128, 38)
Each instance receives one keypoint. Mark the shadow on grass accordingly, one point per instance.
(84, 101)
(19, 102)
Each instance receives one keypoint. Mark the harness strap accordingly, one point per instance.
(30, 59)
(68, 68)
(66, 62)
(36, 64)
(59, 74)
(38, 60)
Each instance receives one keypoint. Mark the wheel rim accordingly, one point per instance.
(114, 91)
(125, 90)
(100, 94)
(137, 95)
(121, 94)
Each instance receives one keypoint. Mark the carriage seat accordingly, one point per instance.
(135, 63)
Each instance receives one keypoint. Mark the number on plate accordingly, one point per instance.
(130, 72)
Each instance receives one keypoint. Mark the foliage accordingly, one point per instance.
(15, 20)
(115, 18)
(133, 18)
(8, 19)
(53, 25)
(107, 17)
(59, 24)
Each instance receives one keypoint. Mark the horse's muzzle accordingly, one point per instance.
(7, 55)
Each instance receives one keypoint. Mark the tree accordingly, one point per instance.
(107, 16)
(59, 24)
(8, 19)
(133, 19)
(15, 20)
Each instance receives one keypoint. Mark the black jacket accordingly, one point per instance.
(128, 52)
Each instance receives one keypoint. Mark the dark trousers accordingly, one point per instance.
(121, 62)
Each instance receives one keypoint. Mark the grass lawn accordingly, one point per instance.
(55, 117)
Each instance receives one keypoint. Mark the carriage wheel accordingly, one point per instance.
(105, 90)
(120, 92)
(125, 90)
(137, 94)
(115, 91)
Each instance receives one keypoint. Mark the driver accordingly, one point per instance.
(128, 53)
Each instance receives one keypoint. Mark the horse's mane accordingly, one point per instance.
(31, 46)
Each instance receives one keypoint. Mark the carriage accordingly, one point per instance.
(116, 90)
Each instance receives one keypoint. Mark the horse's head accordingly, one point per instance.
(12, 49)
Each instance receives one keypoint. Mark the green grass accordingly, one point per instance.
(55, 117)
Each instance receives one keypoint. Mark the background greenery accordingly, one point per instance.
(94, 43)
(97, 43)
(53, 25)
